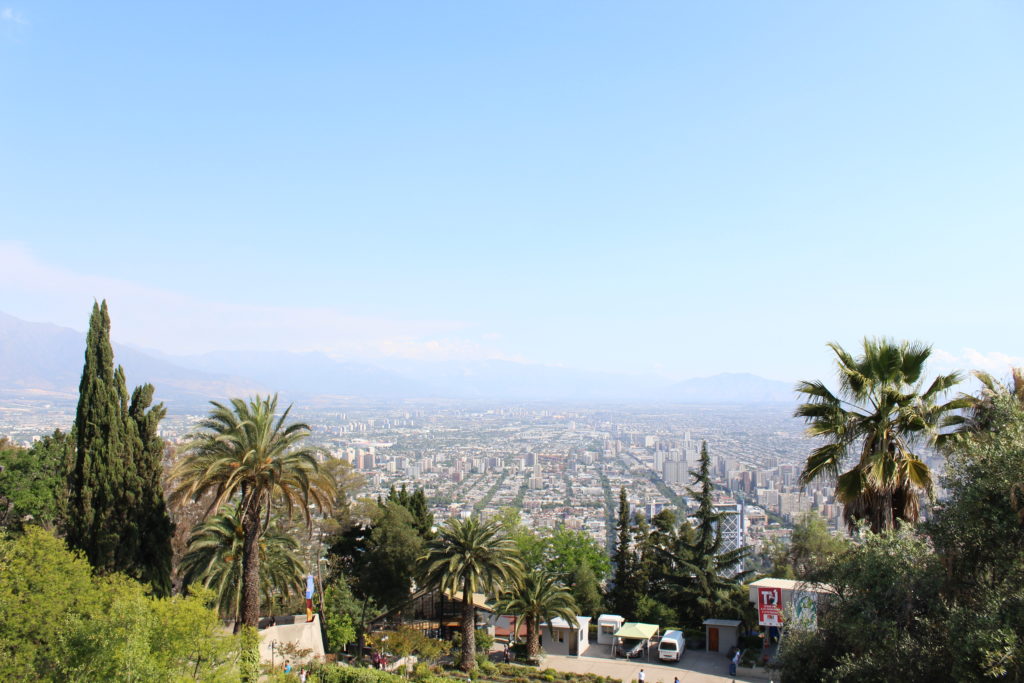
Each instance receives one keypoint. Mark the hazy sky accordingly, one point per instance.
(680, 187)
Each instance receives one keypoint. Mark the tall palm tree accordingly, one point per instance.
(475, 557)
(246, 452)
(214, 559)
(539, 597)
(880, 413)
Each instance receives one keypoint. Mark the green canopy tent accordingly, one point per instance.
(635, 630)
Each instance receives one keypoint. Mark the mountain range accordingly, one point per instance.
(45, 359)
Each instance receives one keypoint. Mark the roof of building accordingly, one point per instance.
(610, 617)
(792, 585)
(559, 622)
(722, 622)
(635, 629)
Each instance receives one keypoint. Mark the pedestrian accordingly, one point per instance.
(733, 663)
(641, 677)
(287, 667)
(302, 675)
(675, 680)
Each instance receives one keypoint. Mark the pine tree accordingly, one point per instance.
(116, 512)
(709, 581)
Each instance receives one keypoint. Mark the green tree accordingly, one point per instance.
(341, 630)
(979, 539)
(708, 579)
(33, 482)
(246, 451)
(416, 504)
(944, 602)
(386, 569)
(624, 593)
(565, 550)
(883, 622)
(529, 545)
(470, 556)
(881, 411)
(117, 515)
(59, 622)
(586, 591)
(811, 546)
(536, 599)
(214, 559)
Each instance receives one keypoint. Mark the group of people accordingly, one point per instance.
(379, 660)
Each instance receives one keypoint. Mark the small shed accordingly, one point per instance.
(562, 638)
(721, 635)
(607, 625)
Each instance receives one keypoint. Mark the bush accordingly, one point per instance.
(422, 671)
(751, 642)
(487, 667)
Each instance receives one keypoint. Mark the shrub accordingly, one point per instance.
(751, 642)
(487, 667)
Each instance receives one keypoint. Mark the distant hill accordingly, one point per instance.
(730, 388)
(40, 357)
(310, 373)
(45, 358)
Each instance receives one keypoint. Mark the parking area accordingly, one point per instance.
(696, 667)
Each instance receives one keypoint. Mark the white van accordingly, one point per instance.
(672, 646)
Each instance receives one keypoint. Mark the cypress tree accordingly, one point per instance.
(116, 511)
(621, 597)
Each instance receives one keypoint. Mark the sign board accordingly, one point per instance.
(769, 606)
(805, 609)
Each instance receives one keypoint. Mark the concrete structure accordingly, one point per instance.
(607, 625)
(562, 638)
(721, 635)
(291, 630)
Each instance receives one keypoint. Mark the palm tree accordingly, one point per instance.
(214, 559)
(539, 597)
(246, 451)
(475, 557)
(979, 410)
(881, 411)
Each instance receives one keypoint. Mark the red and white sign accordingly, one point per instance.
(769, 606)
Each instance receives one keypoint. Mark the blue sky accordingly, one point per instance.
(680, 188)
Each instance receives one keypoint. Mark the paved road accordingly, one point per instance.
(696, 667)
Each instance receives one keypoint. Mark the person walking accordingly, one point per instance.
(641, 677)
(733, 663)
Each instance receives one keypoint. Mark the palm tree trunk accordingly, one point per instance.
(468, 628)
(532, 640)
(251, 566)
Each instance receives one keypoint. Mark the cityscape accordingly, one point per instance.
(557, 465)
(511, 342)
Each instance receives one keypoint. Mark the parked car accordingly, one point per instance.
(672, 646)
(630, 649)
